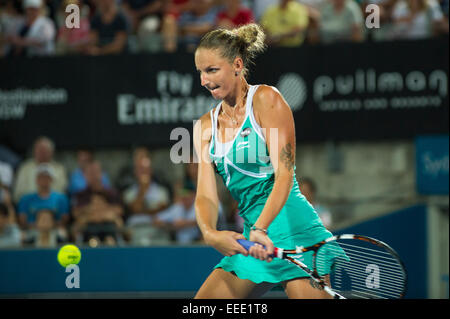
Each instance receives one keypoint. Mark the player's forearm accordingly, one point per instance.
(206, 212)
(276, 200)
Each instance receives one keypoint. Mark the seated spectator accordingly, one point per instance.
(234, 15)
(97, 211)
(6, 174)
(138, 10)
(10, 235)
(43, 151)
(144, 200)
(309, 190)
(11, 21)
(261, 6)
(418, 19)
(10, 159)
(285, 23)
(77, 180)
(171, 15)
(45, 234)
(109, 30)
(180, 217)
(190, 176)
(44, 198)
(194, 23)
(126, 176)
(341, 21)
(37, 36)
(72, 40)
(384, 32)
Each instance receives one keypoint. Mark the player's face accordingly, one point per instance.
(216, 73)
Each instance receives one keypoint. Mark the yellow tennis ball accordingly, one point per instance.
(69, 255)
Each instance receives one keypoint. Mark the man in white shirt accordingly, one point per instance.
(37, 36)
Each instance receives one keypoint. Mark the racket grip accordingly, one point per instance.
(247, 244)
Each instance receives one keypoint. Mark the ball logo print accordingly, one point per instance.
(293, 88)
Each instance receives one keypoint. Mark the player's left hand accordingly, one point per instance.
(257, 250)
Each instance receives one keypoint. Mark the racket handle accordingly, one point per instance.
(247, 244)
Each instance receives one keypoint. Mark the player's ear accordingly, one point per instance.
(238, 65)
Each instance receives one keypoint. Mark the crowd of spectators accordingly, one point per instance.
(46, 27)
(44, 204)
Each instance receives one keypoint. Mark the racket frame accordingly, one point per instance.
(284, 254)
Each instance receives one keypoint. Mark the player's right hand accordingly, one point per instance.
(226, 243)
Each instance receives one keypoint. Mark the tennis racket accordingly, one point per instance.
(350, 266)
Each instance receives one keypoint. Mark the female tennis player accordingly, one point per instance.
(249, 140)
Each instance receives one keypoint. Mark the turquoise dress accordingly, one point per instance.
(245, 167)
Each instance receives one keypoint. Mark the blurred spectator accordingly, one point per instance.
(234, 15)
(192, 25)
(138, 10)
(172, 12)
(341, 20)
(180, 217)
(126, 176)
(309, 189)
(9, 161)
(97, 210)
(10, 235)
(72, 40)
(285, 23)
(189, 177)
(37, 34)
(45, 234)
(11, 21)
(384, 32)
(418, 19)
(260, 6)
(109, 30)
(144, 199)
(43, 151)
(77, 180)
(44, 198)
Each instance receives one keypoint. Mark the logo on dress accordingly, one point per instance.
(245, 132)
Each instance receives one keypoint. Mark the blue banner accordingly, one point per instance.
(432, 164)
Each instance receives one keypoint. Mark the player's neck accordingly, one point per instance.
(238, 97)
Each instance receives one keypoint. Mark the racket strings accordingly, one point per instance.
(361, 270)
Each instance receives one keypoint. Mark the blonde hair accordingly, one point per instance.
(244, 42)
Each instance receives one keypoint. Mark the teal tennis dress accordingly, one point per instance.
(245, 167)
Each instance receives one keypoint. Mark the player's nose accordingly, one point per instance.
(204, 79)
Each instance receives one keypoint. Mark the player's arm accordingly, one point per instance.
(207, 200)
(276, 119)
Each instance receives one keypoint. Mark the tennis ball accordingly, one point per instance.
(69, 255)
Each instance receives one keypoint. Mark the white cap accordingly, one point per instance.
(32, 4)
(45, 169)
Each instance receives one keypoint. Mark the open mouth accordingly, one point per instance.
(211, 89)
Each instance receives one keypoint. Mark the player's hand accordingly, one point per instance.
(226, 242)
(257, 250)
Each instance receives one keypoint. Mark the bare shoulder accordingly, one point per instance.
(268, 101)
(203, 124)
